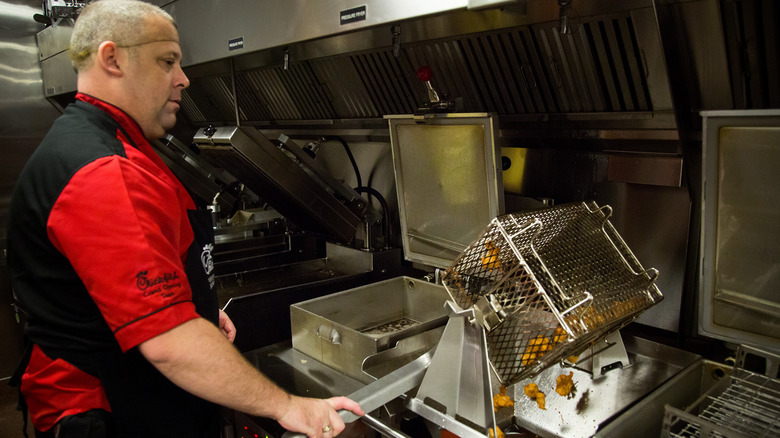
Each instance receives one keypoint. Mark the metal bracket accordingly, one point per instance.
(610, 354)
(489, 312)
(456, 392)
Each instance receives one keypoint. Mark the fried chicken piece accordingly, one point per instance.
(564, 384)
(540, 400)
(536, 349)
(532, 391)
(559, 335)
(490, 261)
(501, 400)
(500, 433)
(539, 345)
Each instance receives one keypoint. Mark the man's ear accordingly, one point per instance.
(107, 58)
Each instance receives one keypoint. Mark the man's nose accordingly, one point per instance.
(182, 81)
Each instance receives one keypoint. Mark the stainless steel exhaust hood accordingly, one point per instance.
(611, 77)
(250, 25)
(514, 61)
(619, 73)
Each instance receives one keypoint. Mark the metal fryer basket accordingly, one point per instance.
(548, 284)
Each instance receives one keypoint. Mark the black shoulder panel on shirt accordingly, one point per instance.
(83, 134)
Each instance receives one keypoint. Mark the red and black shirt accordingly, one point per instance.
(98, 236)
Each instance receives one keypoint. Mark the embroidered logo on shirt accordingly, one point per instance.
(207, 261)
(153, 285)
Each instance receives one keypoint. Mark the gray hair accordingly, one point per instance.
(120, 21)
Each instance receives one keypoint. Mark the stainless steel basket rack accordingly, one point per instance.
(547, 284)
(742, 404)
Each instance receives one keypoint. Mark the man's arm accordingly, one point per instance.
(196, 356)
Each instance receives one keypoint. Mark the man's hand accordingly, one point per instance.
(226, 326)
(317, 418)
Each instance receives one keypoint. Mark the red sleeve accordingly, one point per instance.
(124, 230)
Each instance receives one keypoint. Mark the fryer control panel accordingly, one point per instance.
(246, 428)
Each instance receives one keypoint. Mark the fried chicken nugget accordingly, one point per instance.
(564, 384)
(491, 261)
(532, 391)
(501, 400)
(500, 433)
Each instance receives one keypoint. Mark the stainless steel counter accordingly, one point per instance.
(602, 406)
(300, 374)
(608, 405)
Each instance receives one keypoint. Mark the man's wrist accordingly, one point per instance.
(285, 406)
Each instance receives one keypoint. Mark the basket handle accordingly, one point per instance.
(651, 274)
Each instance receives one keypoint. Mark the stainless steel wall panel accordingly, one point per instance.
(53, 40)
(752, 41)
(700, 35)
(652, 59)
(58, 75)
(26, 116)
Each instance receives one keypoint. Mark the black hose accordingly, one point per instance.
(351, 157)
(385, 213)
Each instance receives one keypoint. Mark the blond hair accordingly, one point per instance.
(120, 21)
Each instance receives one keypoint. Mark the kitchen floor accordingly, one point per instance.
(10, 418)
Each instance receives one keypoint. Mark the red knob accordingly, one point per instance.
(424, 73)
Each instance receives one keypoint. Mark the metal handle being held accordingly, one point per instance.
(381, 391)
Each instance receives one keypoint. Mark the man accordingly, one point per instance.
(110, 260)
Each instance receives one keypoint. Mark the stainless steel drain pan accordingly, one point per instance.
(342, 329)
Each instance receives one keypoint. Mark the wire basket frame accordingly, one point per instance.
(547, 284)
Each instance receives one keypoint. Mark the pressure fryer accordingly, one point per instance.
(532, 290)
(526, 292)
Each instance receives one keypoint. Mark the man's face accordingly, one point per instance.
(154, 78)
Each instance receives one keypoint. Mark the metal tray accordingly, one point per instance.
(623, 402)
(343, 329)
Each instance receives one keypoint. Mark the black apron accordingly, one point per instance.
(144, 403)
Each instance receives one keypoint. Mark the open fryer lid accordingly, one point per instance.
(448, 181)
(269, 172)
(740, 240)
